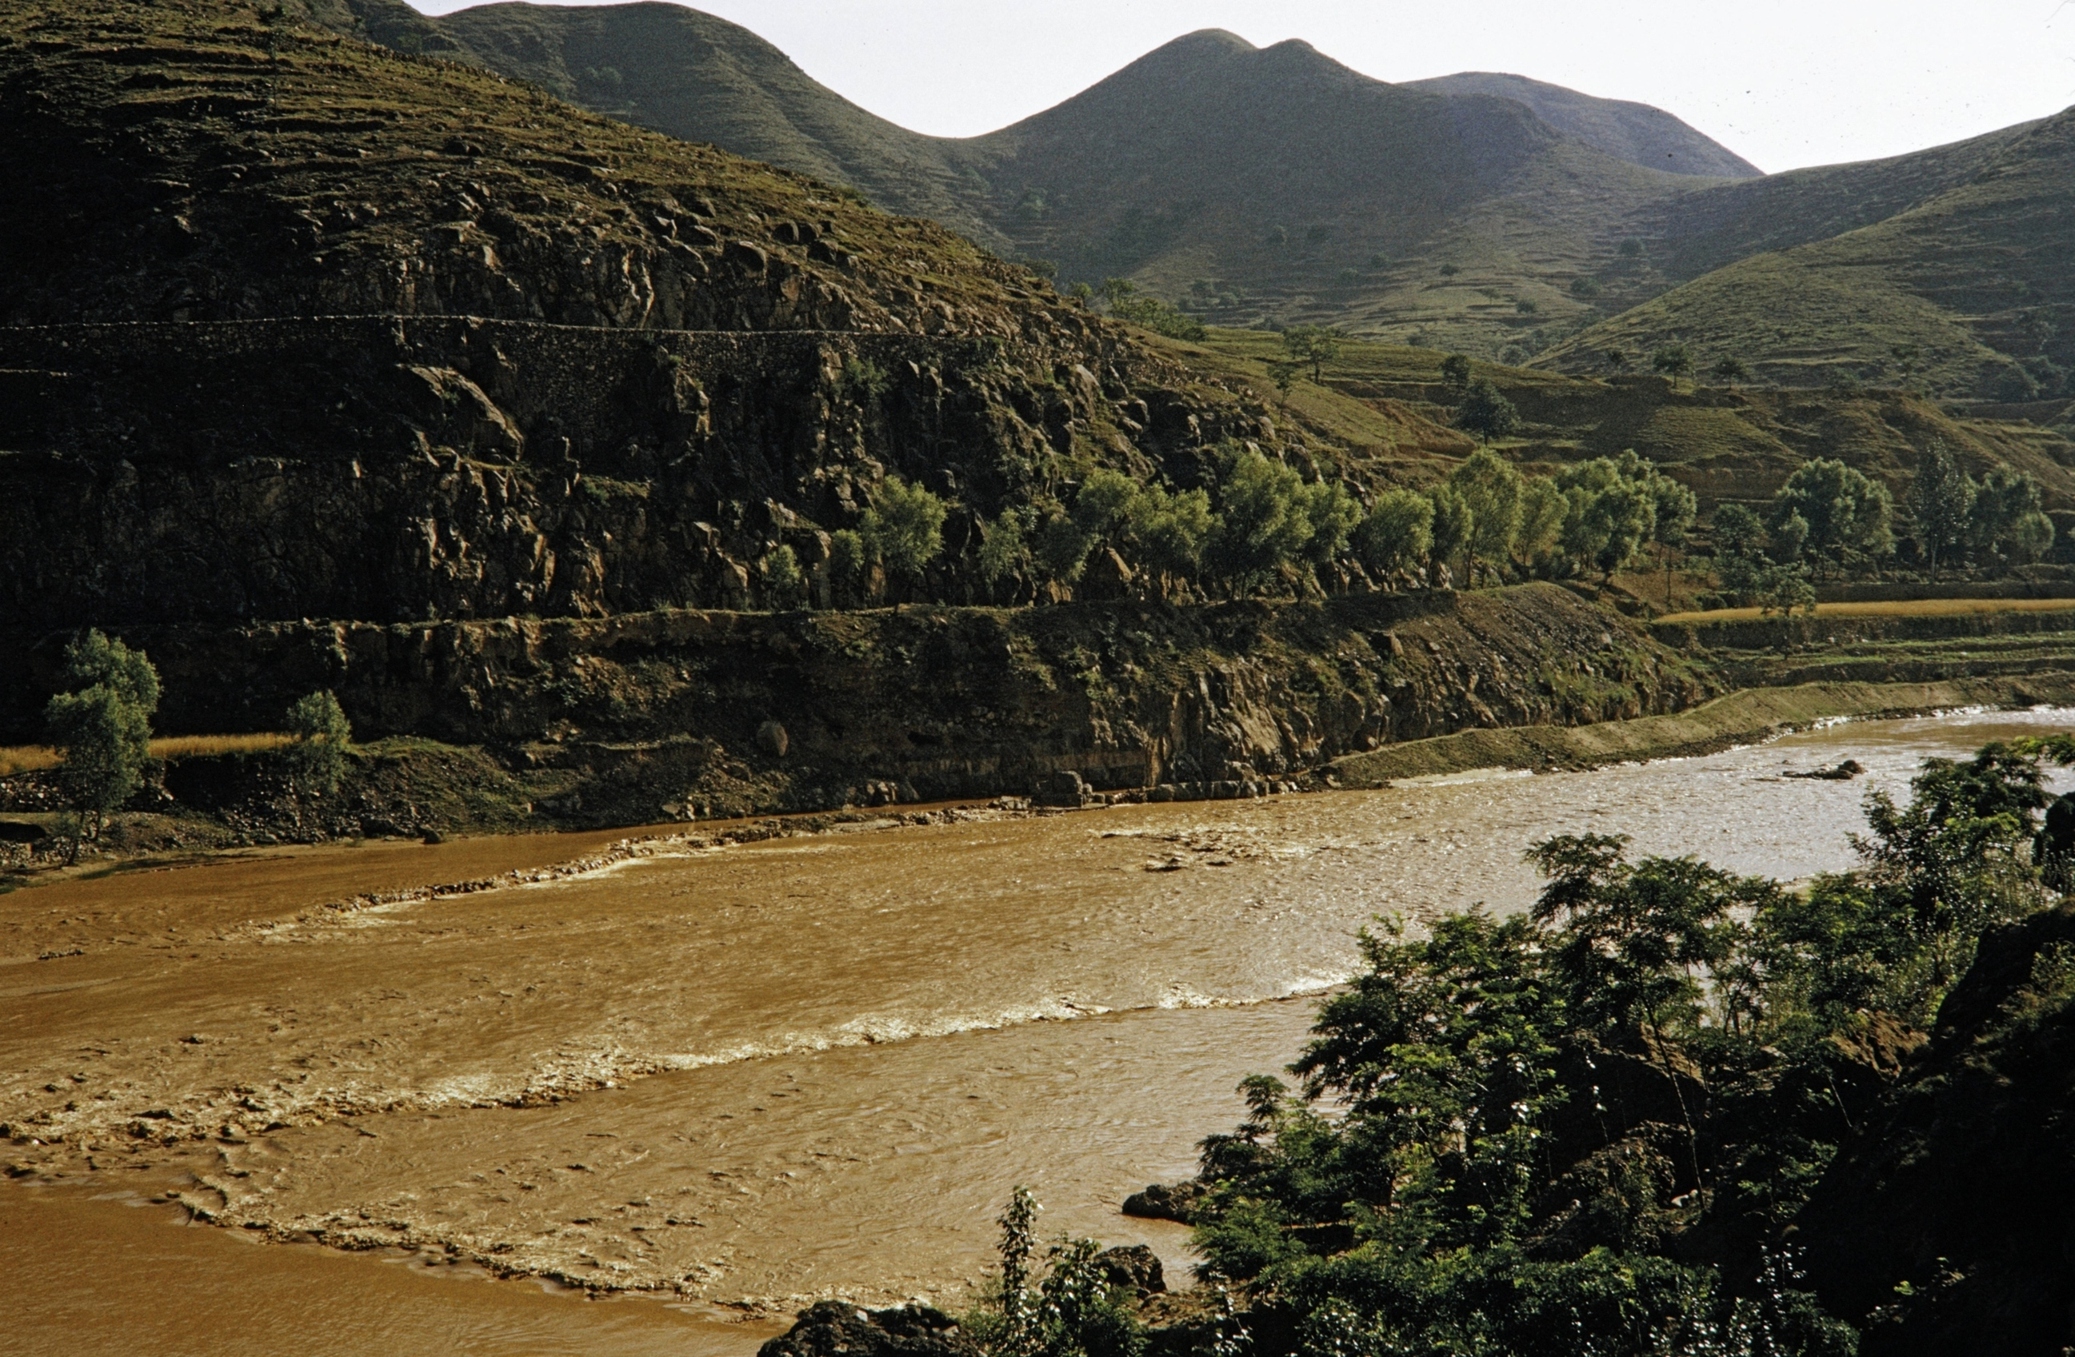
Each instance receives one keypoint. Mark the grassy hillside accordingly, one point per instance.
(239, 163)
(1480, 212)
(1976, 276)
(1634, 132)
(687, 73)
(1252, 186)
(1725, 445)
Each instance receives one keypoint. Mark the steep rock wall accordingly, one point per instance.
(677, 706)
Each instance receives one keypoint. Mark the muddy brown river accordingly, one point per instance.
(730, 1079)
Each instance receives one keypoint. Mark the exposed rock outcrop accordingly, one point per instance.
(934, 702)
(835, 1328)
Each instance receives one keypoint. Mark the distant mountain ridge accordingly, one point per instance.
(1634, 132)
(1486, 212)
(1233, 192)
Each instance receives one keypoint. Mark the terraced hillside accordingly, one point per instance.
(1252, 185)
(1724, 444)
(261, 410)
(1961, 282)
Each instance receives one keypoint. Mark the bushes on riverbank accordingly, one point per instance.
(1592, 1128)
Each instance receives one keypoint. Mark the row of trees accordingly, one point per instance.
(1261, 523)
(101, 728)
(1829, 519)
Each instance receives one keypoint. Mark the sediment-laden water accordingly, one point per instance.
(758, 1073)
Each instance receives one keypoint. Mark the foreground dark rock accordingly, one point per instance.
(1947, 1227)
(835, 1328)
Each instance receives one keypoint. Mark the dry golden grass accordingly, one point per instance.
(26, 758)
(201, 746)
(1919, 607)
(29, 758)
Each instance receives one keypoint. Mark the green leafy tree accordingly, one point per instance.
(1263, 522)
(1455, 372)
(849, 566)
(1848, 515)
(785, 584)
(1485, 411)
(1398, 535)
(1740, 559)
(102, 727)
(1313, 345)
(1333, 515)
(1673, 360)
(319, 737)
(1169, 531)
(1004, 551)
(1941, 505)
(1729, 371)
(1492, 488)
(1617, 360)
(1478, 1190)
(1611, 514)
(2031, 537)
(1283, 372)
(1454, 522)
(1785, 589)
(1543, 509)
(2003, 497)
(904, 528)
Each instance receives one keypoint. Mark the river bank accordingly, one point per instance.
(671, 1072)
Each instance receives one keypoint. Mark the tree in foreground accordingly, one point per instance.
(319, 736)
(1540, 1118)
(103, 730)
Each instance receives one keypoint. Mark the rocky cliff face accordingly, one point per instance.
(394, 468)
(726, 711)
(235, 255)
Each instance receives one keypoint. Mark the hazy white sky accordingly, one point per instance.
(1784, 83)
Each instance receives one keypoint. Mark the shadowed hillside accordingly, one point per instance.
(1634, 132)
(392, 337)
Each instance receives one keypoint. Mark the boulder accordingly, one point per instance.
(772, 739)
(1166, 1201)
(1132, 1267)
(1063, 788)
(834, 1328)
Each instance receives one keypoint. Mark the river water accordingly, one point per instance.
(739, 1077)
